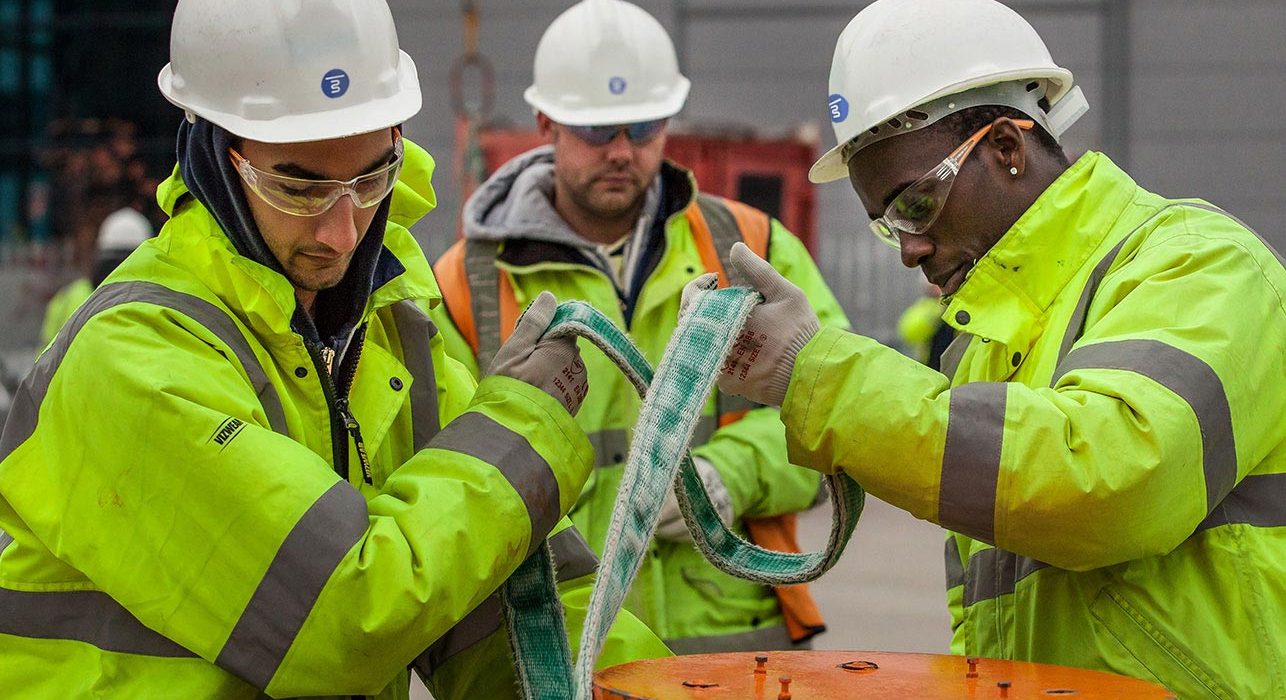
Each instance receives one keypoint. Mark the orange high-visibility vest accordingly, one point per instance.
(484, 308)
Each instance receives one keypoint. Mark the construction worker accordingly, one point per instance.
(599, 215)
(246, 467)
(1106, 440)
(118, 235)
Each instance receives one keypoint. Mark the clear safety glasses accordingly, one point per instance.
(915, 208)
(301, 197)
(638, 132)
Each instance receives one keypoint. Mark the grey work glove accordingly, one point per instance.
(552, 365)
(763, 356)
(671, 527)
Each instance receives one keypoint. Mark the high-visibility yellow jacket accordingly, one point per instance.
(176, 523)
(62, 305)
(691, 604)
(1111, 452)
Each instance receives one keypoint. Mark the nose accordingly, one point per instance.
(620, 149)
(915, 248)
(336, 227)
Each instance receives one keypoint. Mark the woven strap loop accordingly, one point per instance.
(658, 460)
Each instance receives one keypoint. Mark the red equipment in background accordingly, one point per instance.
(770, 174)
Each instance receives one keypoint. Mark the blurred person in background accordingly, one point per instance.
(1106, 440)
(923, 332)
(246, 467)
(600, 215)
(120, 233)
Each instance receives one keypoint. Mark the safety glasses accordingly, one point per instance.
(915, 208)
(300, 197)
(638, 133)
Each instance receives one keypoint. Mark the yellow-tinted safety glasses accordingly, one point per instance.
(915, 208)
(300, 197)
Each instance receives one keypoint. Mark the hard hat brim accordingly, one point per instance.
(831, 166)
(603, 116)
(363, 118)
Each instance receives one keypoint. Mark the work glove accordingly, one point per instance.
(671, 527)
(762, 357)
(552, 365)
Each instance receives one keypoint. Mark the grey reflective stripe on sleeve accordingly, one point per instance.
(415, 331)
(994, 572)
(971, 460)
(482, 622)
(950, 361)
(955, 566)
(1076, 326)
(31, 393)
(1211, 208)
(572, 556)
(775, 638)
(1259, 500)
(572, 559)
(484, 291)
(308, 556)
(5, 540)
(91, 617)
(479, 436)
(1188, 377)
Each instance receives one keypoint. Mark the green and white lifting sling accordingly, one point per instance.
(673, 400)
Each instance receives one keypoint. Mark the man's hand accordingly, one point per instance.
(671, 526)
(762, 358)
(552, 365)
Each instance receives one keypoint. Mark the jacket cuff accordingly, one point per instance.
(803, 407)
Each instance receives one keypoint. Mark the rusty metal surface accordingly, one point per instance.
(832, 675)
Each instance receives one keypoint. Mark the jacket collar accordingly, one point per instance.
(1010, 290)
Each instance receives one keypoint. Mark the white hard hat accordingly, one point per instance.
(286, 71)
(123, 230)
(932, 58)
(606, 62)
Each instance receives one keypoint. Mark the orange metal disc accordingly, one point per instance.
(832, 675)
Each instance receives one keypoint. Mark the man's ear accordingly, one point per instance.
(1008, 146)
(545, 126)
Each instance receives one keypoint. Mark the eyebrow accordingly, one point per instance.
(295, 170)
(893, 194)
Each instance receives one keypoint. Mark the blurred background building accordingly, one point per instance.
(1188, 95)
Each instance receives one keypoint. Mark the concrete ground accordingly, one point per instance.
(885, 594)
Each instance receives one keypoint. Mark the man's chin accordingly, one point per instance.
(612, 206)
(314, 282)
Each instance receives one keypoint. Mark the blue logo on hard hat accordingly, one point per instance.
(334, 83)
(839, 108)
(616, 85)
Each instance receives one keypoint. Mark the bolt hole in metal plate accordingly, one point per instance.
(823, 675)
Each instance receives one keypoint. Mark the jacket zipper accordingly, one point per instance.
(346, 385)
(342, 422)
